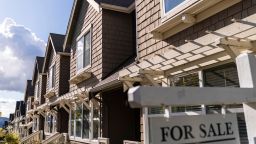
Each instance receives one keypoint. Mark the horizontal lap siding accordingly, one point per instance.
(118, 39)
(149, 17)
(64, 75)
(87, 16)
(42, 87)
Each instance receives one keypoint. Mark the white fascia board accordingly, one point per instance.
(148, 96)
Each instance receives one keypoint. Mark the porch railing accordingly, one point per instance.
(131, 142)
(58, 138)
(34, 138)
(102, 140)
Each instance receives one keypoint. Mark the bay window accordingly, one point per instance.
(83, 52)
(52, 76)
(84, 123)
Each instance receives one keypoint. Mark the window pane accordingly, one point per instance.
(79, 63)
(170, 4)
(53, 75)
(50, 78)
(96, 122)
(72, 128)
(156, 110)
(87, 52)
(78, 128)
(79, 54)
(78, 120)
(86, 125)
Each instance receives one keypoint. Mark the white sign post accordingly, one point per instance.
(212, 129)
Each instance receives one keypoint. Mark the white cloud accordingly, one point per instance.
(8, 101)
(18, 48)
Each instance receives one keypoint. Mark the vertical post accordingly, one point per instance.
(91, 121)
(201, 84)
(145, 126)
(246, 67)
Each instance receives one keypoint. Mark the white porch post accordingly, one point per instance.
(246, 66)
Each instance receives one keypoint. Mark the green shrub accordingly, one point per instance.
(11, 138)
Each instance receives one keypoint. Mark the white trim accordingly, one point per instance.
(176, 10)
(63, 53)
(118, 8)
(95, 5)
(90, 139)
(85, 31)
(145, 125)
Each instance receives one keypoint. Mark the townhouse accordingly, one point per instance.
(191, 44)
(39, 90)
(28, 99)
(101, 39)
(19, 118)
(106, 78)
(56, 67)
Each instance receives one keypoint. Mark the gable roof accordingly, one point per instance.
(29, 91)
(57, 41)
(54, 44)
(38, 68)
(117, 5)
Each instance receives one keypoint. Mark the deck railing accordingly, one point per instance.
(34, 138)
(58, 138)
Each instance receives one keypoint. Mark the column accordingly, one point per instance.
(246, 67)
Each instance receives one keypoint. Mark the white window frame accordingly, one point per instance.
(81, 139)
(52, 78)
(87, 30)
(176, 10)
(37, 90)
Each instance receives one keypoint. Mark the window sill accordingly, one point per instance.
(50, 94)
(186, 15)
(81, 76)
(80, 140)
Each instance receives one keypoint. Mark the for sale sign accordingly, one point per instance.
(213, 129)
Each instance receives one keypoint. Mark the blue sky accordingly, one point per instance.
(41, 16)
(24, 29)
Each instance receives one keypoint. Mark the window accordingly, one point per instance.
(36, 90)
(50, 123)
(84, 122)
(83, 52)
(170, 4)
(52, 76)
(35, 124)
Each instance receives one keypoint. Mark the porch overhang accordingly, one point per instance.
(188, 14)
(67, 100)
(213, 49)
